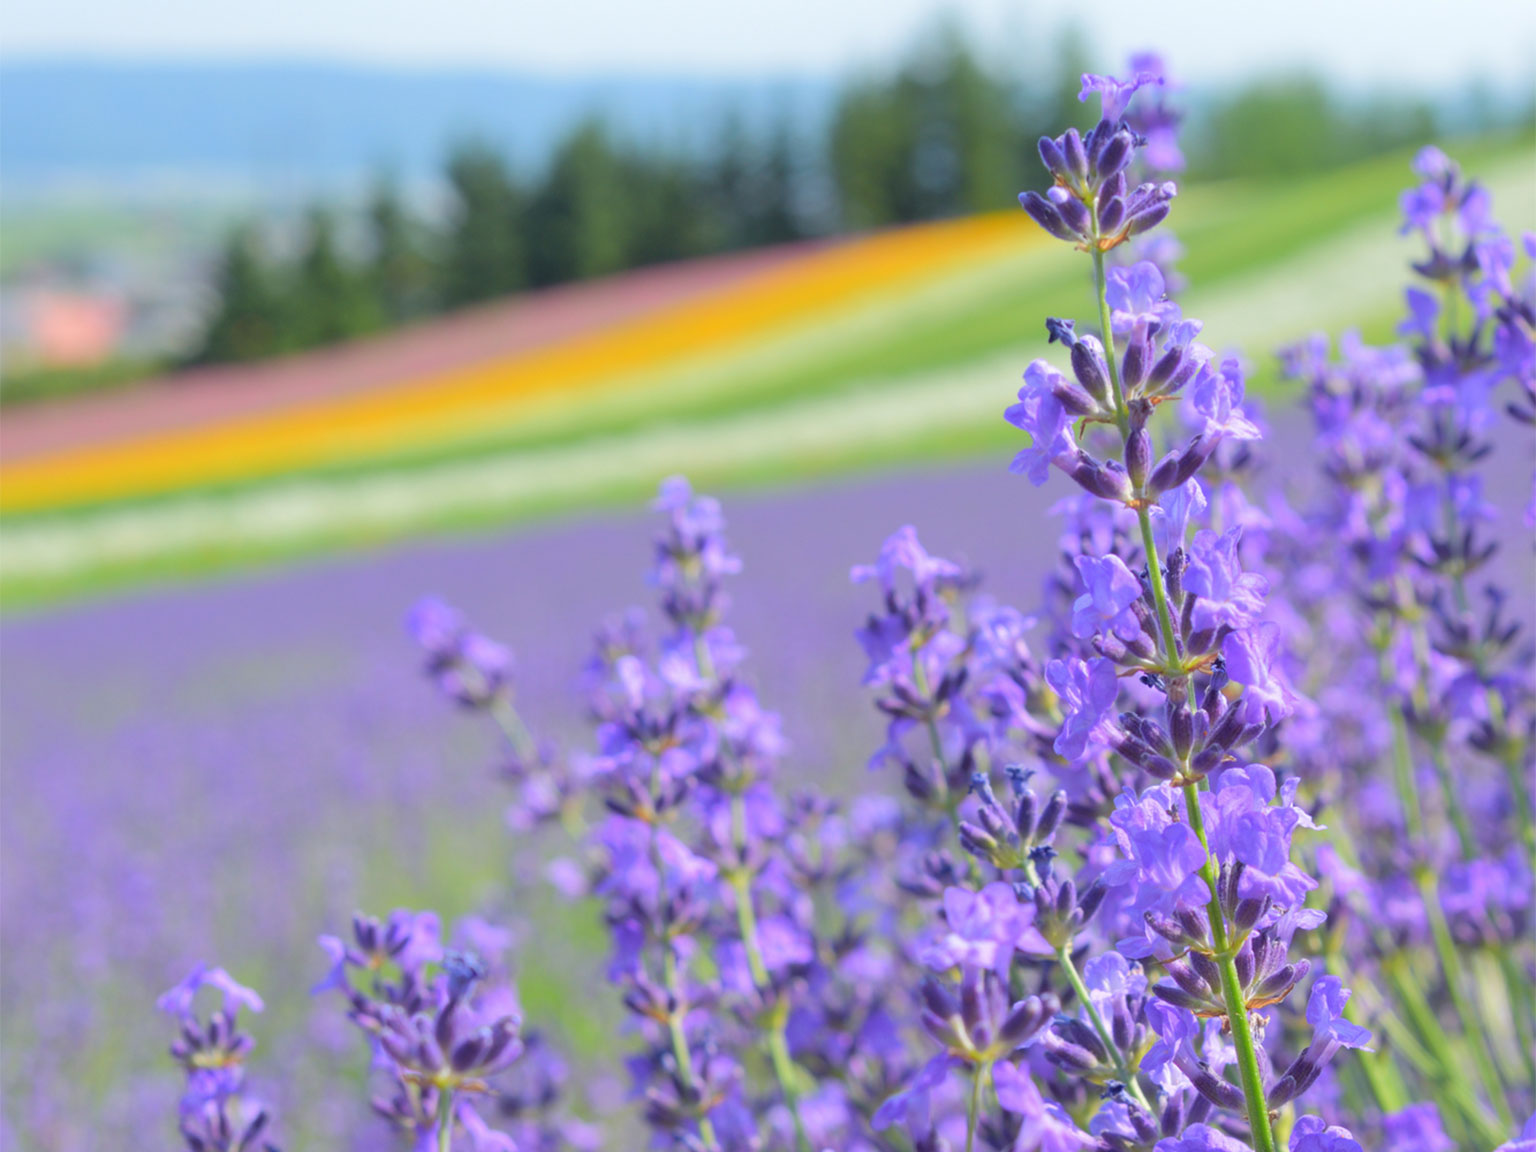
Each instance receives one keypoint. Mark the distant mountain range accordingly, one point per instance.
(300, 127)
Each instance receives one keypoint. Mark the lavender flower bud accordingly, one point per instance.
(1075, 155)
(1111, 215)
(1115, 155)
(1045, 214)
(1089, 367)
(1071, 210)
(1054, 159)
(1138, 456)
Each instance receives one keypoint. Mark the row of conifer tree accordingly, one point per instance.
(938, 135)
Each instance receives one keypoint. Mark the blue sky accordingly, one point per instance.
(1406, 42)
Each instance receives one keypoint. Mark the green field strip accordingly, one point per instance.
(879, 417)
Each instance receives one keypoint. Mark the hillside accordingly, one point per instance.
(877, 350)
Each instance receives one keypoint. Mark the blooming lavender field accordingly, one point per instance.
(276, 731)
(1222, 844)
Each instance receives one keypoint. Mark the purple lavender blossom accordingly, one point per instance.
(1416, 1128)
(1325, 1012)
(1040, 413)
(789, 961)
(1138, 301)
(1217, 396)
(1203, 1138)
(1046, 1126)
(1106, 605)
(1153, 119)
(1228, 596)
(983, 930)
(1314, 1135)
(1088, 692)
(215, 1113)
(1116, 94)
(1252, 660)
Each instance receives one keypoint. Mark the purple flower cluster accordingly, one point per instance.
(1166, 843)
(1404, 624)
(445, 1029)
(1241, 753)
(216, 1113)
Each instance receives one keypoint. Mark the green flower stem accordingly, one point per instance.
(1377, 1070)
(1123, 1070)
(920, 682)
(1471, 1023)
(512, 726)
(746, 919)
(1231, 986)
(1473, 1029)
(445, 1120)
(680, 1051)
(1417, 1008)
(1385, 1007)
(776, 1041)
(1449, 796)
(1512, 759)
(1232, 992)
(1517, 988)
(979, 1076)
(1449, 1070)
(1453, 806)
(1524, 1001)
(500, 707)
(1123, 422)
(1385, 1082)
(669, 980)
(1402, 778)
(1107, 338)
(1159, 589)
(702, 657)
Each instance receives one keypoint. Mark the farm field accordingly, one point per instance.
(786, 366)
(289, 710)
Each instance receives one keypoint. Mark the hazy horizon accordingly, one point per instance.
(1355, 42)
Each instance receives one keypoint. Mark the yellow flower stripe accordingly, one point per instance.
(457, 403)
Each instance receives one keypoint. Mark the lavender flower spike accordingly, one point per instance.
(215, 1113)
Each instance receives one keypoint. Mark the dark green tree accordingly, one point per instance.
(965, 154)
(483, 255)
(983, 118)
(331, 300)
(247, 322)
(668, 215)
(729, 184)
(399, 269)
(752, 185)
(872, 144)
(940, 137)
(774, 217)
(1272, 127)
(1071, 58)
(579, 223)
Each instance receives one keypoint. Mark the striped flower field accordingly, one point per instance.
(768, 366)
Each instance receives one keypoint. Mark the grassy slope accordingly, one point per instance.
(951, 349)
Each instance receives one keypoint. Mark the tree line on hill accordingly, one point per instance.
(940, 134)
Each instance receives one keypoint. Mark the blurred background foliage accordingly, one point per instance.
(940, 133)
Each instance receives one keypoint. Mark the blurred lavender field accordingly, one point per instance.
(225, 771)
(222, 772)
